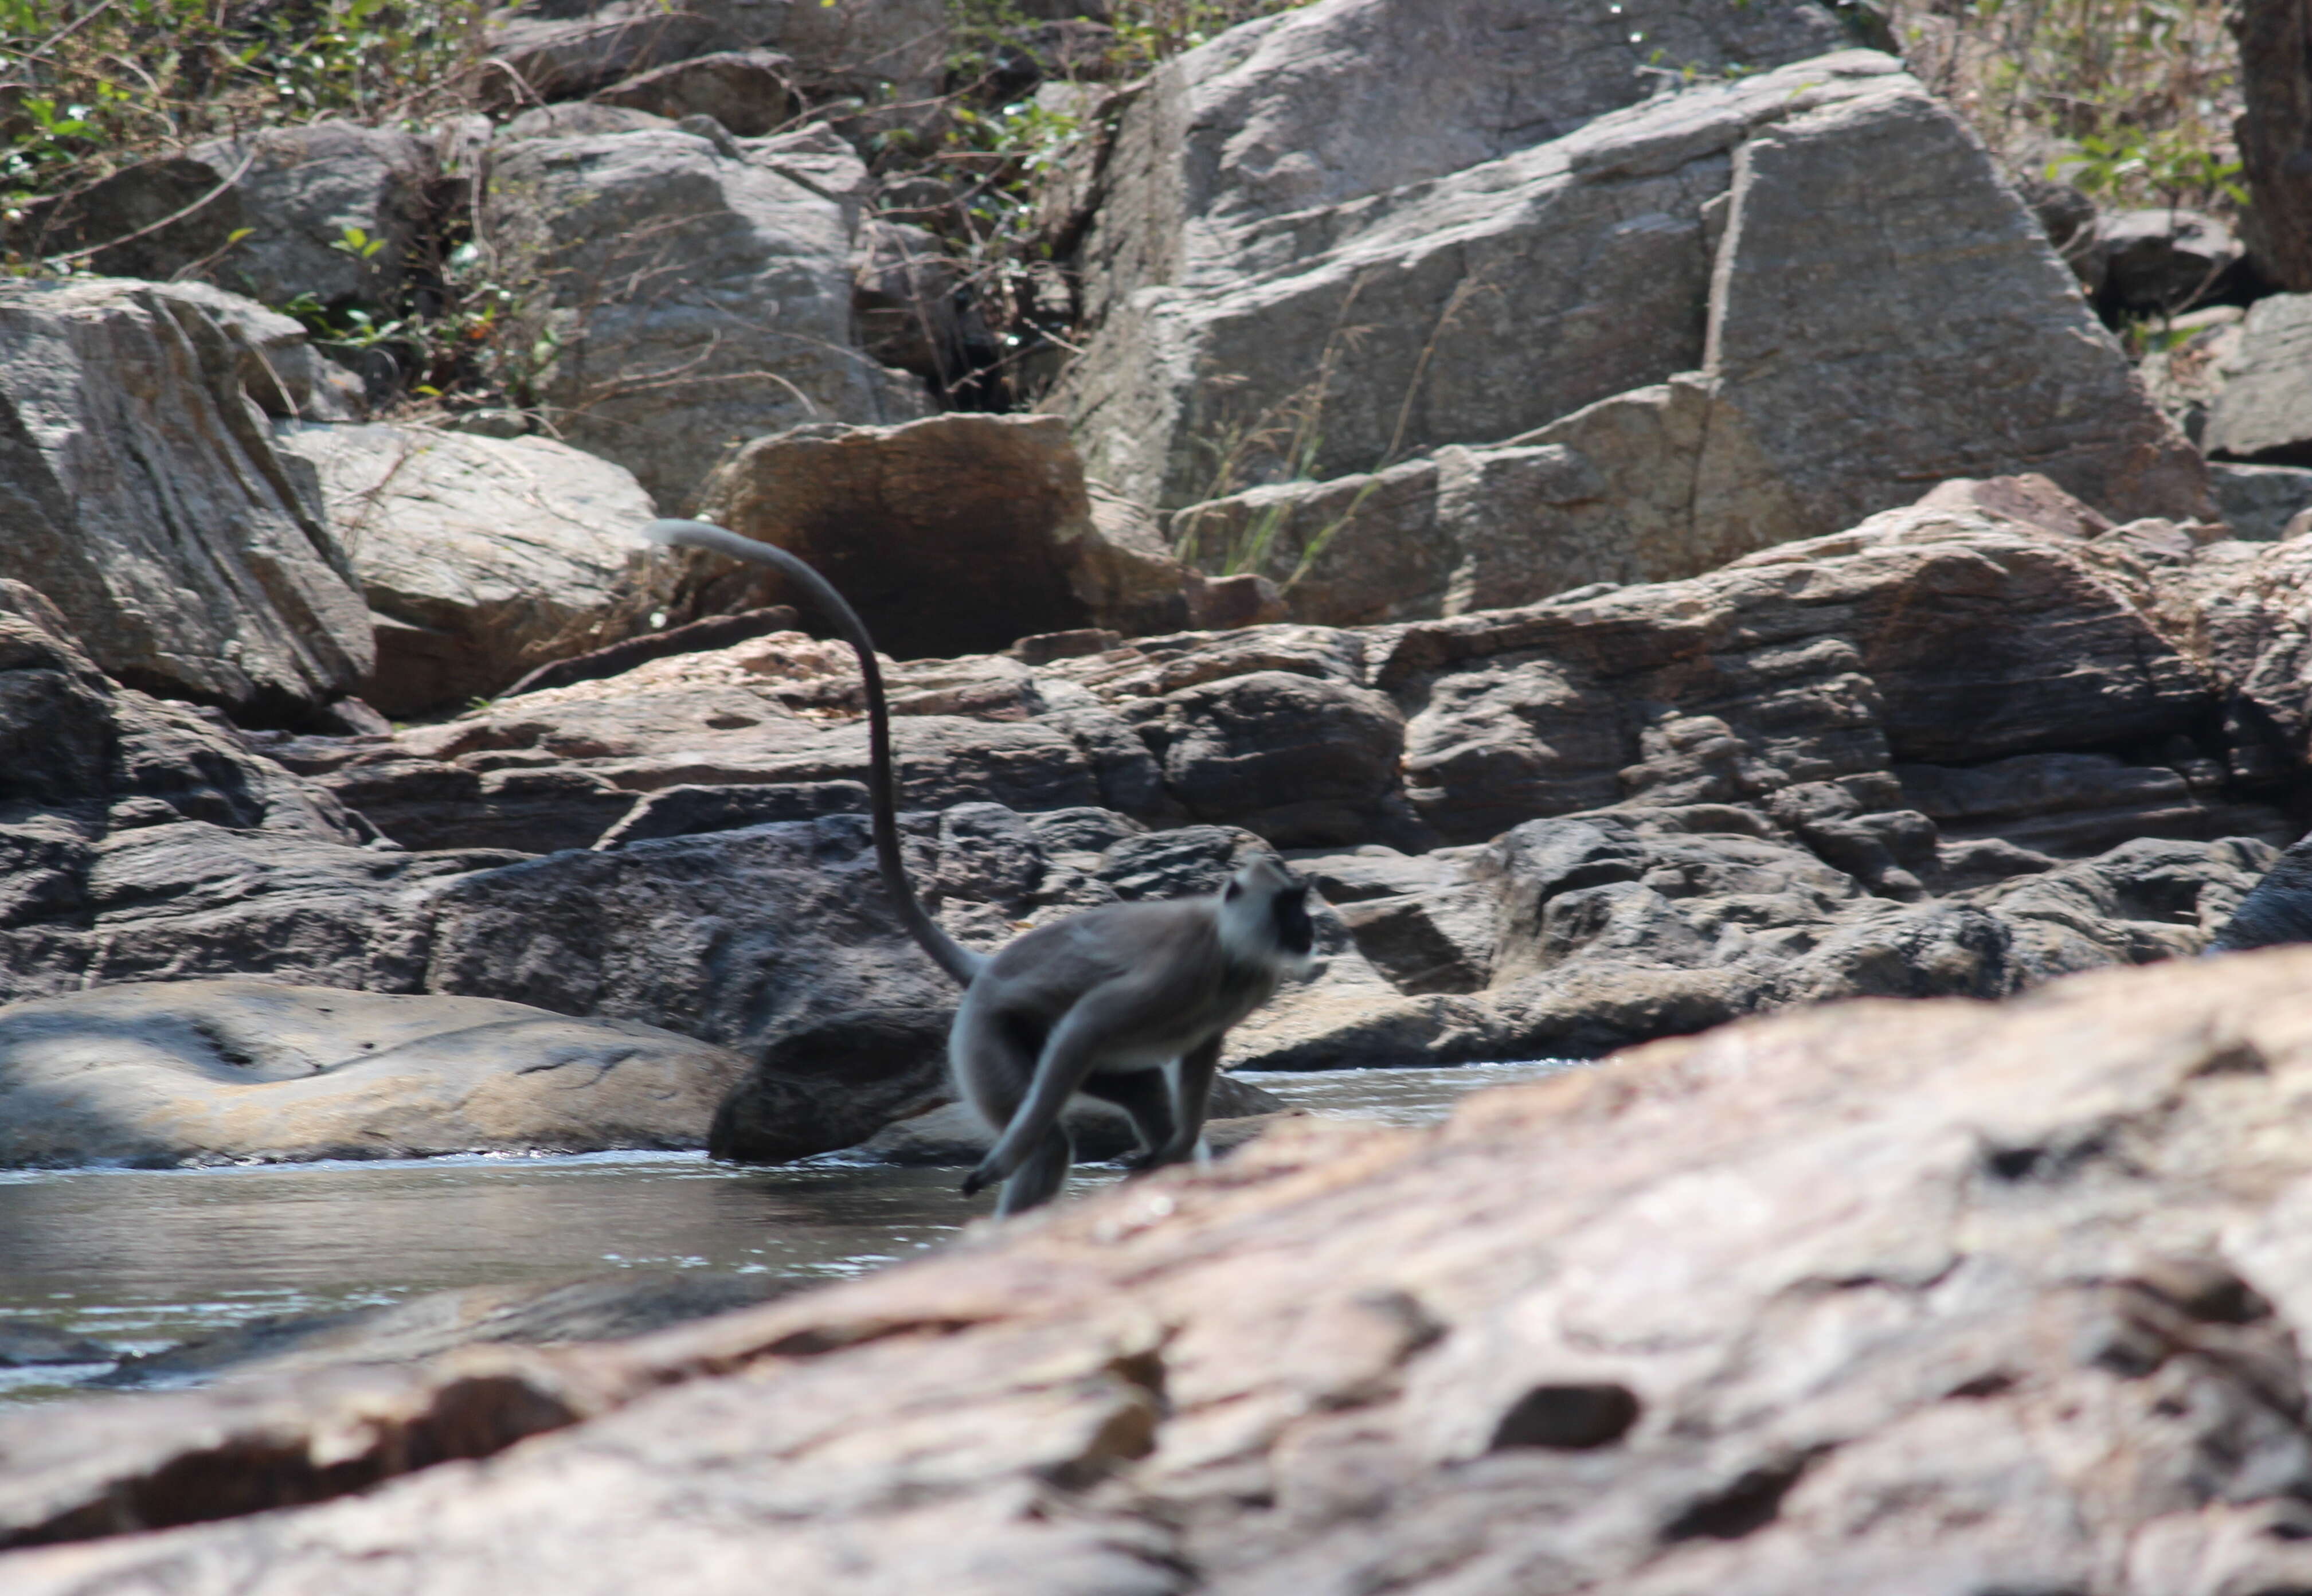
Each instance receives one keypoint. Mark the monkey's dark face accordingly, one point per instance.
(1265, 916)
(1294, 933)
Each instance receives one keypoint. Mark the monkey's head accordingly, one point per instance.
(1265, 917)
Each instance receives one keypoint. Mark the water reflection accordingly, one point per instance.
(145, 1259)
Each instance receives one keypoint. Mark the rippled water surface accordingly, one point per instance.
(140, 1259)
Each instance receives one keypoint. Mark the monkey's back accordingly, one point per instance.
(1164, 961)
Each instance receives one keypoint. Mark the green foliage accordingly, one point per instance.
(88, 88)
(2131, 100)
(2170, 163)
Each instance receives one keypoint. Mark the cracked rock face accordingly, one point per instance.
(1611, 342)
(147, 501)
(1938, 1296)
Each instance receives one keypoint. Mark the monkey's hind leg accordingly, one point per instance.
(1040, 1174)
(1147, 1097)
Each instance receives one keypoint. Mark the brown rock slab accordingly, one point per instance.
(233, 1070)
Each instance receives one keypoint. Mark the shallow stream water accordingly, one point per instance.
(144, 1259)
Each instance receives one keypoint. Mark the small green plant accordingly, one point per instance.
(358, 243)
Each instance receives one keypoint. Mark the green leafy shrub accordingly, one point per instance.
(2132, 101)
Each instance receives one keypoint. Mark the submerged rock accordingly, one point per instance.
(27, 1344)
(606, 1308)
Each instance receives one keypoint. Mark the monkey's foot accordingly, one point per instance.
(1156, 1158)
(981, 1179)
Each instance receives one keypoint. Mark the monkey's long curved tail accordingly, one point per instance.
(948, 954)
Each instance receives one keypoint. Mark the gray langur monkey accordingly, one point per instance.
(1127, 1003)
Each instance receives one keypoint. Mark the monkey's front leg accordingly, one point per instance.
(1192, 1091)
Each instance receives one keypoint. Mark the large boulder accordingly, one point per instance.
(1945, 1296)
(690, 295)
(2262, 410)
(1388, 316)
(330, 209)
(145, 496)
(482, 558)
(1755, 233)
(238, 1071)
(1922, 637)
(955, 534)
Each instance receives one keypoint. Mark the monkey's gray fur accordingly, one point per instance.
(1126, 1003)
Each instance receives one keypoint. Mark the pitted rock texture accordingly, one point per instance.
(1878, 1296)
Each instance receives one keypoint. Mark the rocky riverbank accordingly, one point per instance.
(1852, 1299)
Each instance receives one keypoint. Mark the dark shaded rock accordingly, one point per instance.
(300, 188)
(953, 1136)
(835, 1084)
(950, 535)
(909, 295)
(2165, 260)
(1302, 761)
(746, 91)
(2068, 217)
(118, 222)
(2259, 503)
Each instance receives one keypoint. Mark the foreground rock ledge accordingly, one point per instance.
(1922, 1296)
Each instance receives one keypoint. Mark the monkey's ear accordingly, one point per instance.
(1232, 892)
